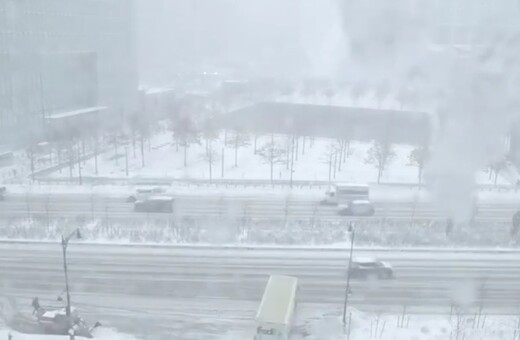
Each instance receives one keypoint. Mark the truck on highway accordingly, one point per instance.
(274, 317)
(343, 193)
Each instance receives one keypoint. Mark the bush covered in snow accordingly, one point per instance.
(267, 232)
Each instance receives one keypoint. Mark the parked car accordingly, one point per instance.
(144, 193)
(357, 208)
(370, 269)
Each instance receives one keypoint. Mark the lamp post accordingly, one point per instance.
(64, 244)
(347, 289)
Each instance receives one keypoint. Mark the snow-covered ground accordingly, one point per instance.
(163, 158)
(324, 322)
(407, 327)
(100, 334)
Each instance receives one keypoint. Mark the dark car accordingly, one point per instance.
(357, 208)
(370, 269)
(156, 204)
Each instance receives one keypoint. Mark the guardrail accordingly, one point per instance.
(251, 183)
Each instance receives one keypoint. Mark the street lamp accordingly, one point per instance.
(347, 289)
(64, 243)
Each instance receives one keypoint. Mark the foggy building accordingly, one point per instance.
(468, 22)
(62, 62)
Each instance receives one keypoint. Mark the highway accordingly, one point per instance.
(292, 207)
(424, 279)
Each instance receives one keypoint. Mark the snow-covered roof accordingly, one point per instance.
(73, 113)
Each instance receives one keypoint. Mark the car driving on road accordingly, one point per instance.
(356, 208)
(155, 204)
(370, 269)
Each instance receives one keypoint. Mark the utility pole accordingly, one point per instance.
(64, 244)
(347, 289)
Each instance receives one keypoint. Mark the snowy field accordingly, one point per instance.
(313, 160)
(320, 322)
(206, 231)
(101, 334)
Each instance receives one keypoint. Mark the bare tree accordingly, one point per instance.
(210, 155)
(357, 92)
(382, 92)
(418, 157)
(330, 157)
(238, 140)
(379, 155)
(497, 167)
(271, 154)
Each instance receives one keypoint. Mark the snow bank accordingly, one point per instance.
(101, 333)
(265, 232)
(409, 327)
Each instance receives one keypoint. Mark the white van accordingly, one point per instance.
(346, 192)
(275, 315)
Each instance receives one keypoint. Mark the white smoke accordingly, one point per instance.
(471, 92)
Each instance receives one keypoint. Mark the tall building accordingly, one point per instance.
(62, 62)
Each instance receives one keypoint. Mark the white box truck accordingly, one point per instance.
(275, 315)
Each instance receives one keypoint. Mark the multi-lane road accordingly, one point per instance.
(218, 205)
(425, 279)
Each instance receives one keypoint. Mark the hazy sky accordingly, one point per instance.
(266, 37)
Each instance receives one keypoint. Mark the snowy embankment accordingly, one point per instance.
(208, 231)
(100, 334)
(314, 322)
(456, 326)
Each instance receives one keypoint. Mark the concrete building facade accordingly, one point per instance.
(64, 60)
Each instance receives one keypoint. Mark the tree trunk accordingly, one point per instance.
(210, 160)
(293, 151)
(116, 152)
(71, 160)
(341, 147)
(335, 161)
(222, 171)
(142, 151)
(185, 154)
(496, 177)
(96, 151)
(236, 151)
(379, 173)
(134, 143)
(420, 174)
(59, 156)
(288, 155)
(297, 147)
(256, 138)
(330, 167)
(271, 165)
(303, 146)
(83, 150)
